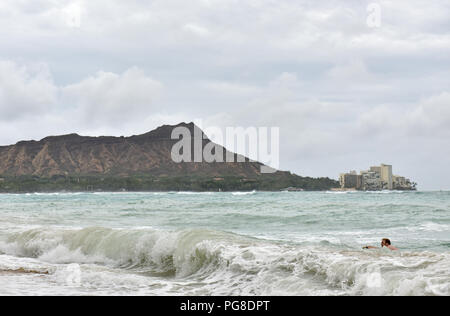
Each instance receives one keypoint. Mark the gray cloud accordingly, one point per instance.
(25, 91)
(104, 101)
(344, 95)
(108, 99)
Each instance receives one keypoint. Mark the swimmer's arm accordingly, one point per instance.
(392, 248)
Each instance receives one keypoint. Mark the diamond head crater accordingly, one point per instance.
(75, 163)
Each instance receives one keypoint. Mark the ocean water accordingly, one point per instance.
(253, 243)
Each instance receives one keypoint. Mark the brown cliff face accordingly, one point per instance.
(148, 154)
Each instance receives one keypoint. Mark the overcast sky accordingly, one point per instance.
(345, 94)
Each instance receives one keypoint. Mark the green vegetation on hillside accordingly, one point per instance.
(275, 182)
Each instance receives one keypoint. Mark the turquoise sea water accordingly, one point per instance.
(254, 243)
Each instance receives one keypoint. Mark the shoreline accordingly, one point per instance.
(230, 191)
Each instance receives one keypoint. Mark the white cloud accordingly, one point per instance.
(196, 29)
(25, 91)
(231, 89)
(33, 106)
(314, 68)
(112, 99)
(433, 114)
(354, 71)
(429, 117)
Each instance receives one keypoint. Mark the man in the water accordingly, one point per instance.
(384, 243)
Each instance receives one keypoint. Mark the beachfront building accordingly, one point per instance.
(350, 180)
(371, 181)
(402, 183)
(377, 178)
(386, 177)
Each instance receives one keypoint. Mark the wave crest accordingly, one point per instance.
(171, 253)
(228, 264)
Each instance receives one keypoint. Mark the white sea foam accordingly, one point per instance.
(338, 192)
(243, 193)
(386, 192)
(430, 226)
(224, 264)
(309, 244)
(195, 193)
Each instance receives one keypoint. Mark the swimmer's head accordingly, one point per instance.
(385, 242)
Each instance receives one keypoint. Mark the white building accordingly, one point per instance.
(377, 178)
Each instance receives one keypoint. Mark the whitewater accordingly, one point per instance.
(227, 243)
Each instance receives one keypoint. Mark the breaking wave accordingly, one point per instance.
(243, 193)
(229, 264)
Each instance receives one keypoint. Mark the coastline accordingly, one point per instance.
(146, 183)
